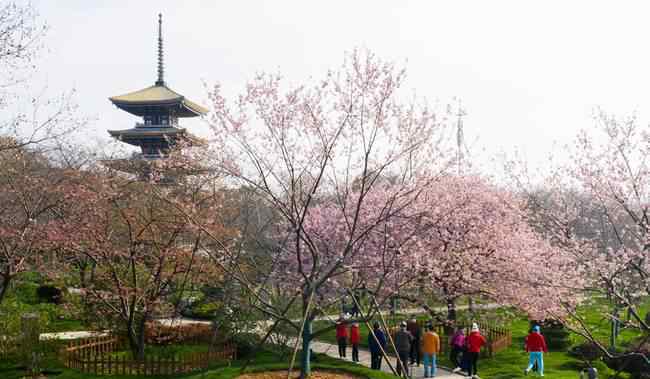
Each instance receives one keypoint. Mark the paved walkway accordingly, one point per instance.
(71, 335)
(364, 359)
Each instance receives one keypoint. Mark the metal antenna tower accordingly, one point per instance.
(460, 136)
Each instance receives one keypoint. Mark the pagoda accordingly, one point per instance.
(160, 108)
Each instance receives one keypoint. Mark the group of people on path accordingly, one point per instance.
(342, 339)
(412, 345)
(465, 350)
(409, 339)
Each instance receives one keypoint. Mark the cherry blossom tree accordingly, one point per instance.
(33, 194)
(145, 249)
(596, 208)
(322, 154)
(473, 238)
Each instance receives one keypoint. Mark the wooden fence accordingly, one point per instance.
(94, 356)
(498, 338)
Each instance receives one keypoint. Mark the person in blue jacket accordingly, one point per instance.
(376, 346)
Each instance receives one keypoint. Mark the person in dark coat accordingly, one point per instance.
(403, 341)
(416, 332)
(376, 344)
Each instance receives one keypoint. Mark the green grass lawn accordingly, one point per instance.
(165, 351)
(511, 362)
(506, 364)
(264, 361)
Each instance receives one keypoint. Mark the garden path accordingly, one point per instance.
(71, 335)
(364, 359)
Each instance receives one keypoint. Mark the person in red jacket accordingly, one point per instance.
(536, 346)
(474, 343)
(342, 336)
(355, 338)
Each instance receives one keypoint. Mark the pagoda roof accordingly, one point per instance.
(158, 95)
(134, 135)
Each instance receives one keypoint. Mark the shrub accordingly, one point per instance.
(586, 351)
(206, 311)
(10, 323)
(49, 294)
(157, 334)
(637, 365)
(25, 291)
(556, 335)
(246, 344)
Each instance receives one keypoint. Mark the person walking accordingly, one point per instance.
(589, 373)
(355, 338)
(342, 336)
(403, 341)
(377, 344)
(536, 347)
(430, 350)
(457, 344)
(474, 343)
(416, 332)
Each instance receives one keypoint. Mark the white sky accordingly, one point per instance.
(528, 73)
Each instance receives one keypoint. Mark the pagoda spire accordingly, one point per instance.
(161, 67)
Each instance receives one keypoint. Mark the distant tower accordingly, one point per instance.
(160, 107)
(460, 137)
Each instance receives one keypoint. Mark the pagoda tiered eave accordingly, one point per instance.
(143, 101)
(135, 136)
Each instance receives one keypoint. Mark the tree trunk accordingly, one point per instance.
(305, 357)
(451, 310)
(136, 335)
(141, 343)
(4, 286)
(614, 330)
(82, 274)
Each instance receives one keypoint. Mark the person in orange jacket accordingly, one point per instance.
(430, 350)
(474, 343)
(355, 338)
(536, 346)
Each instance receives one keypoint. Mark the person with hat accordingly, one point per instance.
(536, 347)
(355, 338)
(403, 341)
(376, 344)
(475, 341)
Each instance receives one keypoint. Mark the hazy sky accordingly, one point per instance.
(529, 73)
